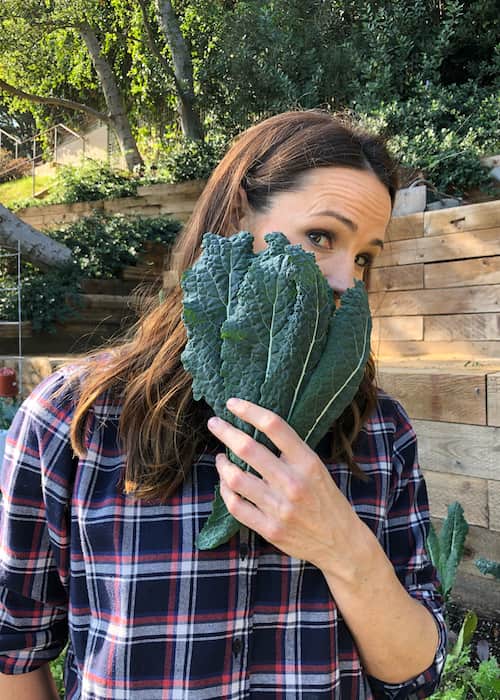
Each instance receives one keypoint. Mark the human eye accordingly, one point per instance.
(364, 260)
(316, 236)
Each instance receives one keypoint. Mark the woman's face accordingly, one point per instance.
(339, 213)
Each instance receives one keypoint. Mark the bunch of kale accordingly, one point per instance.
(264, 327)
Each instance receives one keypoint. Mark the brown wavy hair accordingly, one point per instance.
(161, 427)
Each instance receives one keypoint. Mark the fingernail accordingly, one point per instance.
(234, 403)
(214, 422)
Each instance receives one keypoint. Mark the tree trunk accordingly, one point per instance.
(183, 70)
(117, 114)
(36, 247)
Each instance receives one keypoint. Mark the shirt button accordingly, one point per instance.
(237, 646)
(243, 551)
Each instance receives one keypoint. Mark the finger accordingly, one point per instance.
(247, 513)
(245, 484)
(271, 424)
(247, 449)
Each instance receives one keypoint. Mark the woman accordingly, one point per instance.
(327, 591)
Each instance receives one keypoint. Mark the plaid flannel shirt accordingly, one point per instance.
(148, 616)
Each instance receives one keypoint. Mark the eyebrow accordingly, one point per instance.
(347, 222)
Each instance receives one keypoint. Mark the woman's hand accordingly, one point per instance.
(296, 505)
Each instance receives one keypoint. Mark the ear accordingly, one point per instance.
(243, 210)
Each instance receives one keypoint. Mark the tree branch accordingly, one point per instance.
(56, 101)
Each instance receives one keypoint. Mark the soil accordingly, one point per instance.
(487, 629)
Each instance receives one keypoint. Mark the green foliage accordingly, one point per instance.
(460, 680)
(89, 181)
(486, 566)
(57, 670)
(8, 408)
(191, 160)
(264, 327)
(446, 549)
(426, 72)
(45, 296)
(102, 245)
(442, 132)
(93, 180)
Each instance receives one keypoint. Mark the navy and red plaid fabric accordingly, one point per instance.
(147, 615)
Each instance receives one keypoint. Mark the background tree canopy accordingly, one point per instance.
(425, 73)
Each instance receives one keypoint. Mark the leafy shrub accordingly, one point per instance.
(442, 131)
(90, 181)
(11, 168)
(102, 245)
(191, 160)
(93, 180)
(46, 297)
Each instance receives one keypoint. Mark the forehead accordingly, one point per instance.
(356, 194)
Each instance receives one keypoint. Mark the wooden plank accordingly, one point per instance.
(436, 395)
(494, 505)
(466, 450)
(406, 277)
(466, 218)
(477, 592)
(470, 492)
(470, 244)
(462, 327)
(403, 227)
(171, 189)
(429, 302)
(462, 272)
(493, 403)
(391, 351)
(10, 329)
(398, 328)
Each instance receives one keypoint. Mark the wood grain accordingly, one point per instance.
(391, 351)
(466, 450)
(428, 302)
(474, 271)
(466, 218)
(457, 246)
(477, 592)
(462, 327)
(398, 328)
(493, 404)
(402, 227)
(392, 278)
(494, 505)
(470, 492)
(436, 395)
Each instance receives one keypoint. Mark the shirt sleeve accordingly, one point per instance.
(404, 540)
(34, 532)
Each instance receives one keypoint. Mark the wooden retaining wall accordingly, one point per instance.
(176, 200)
(436, 304)
(435, 299)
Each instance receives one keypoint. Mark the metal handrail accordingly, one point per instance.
(36, 157)
(51, 128)
(17, 141)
